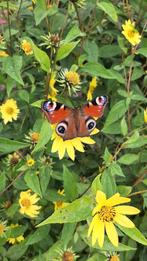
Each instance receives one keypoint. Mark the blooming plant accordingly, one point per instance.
(66, 195)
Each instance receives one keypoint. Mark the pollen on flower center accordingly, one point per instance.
(131, 33)
(10, 110)
(72, 77)
(25, 202)
(107, 213)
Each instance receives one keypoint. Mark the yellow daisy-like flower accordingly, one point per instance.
(14, 240)
(53, 90)
(30, 162)
(145, 115)
(3, 54)
(62, 146)
(9, 111)
(34, 136)
(72, 77)
(130, 33)
(92, 86)
(3, 228)
(28, 205)
(106, 214)
(26, 47)
(60, 204)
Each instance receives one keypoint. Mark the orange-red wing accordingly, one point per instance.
(57, 115)
(93, 110)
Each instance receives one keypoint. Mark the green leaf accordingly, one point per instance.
(68, 233)
(78, 210)
(32, 182)
(8, 146)
(141, 141)
(96, 184)
(124, 127)
(142, 51)
(91, 48)
(135, 234)
(41, 11)
(44, 178)
(128, 159)
(115, 169)
(109, 9)
(2, 181)
(109, 50)
(117, 111)
(113, 128)
(38, 235)
(69, 178)
(42, 58)
(73, 34)
(17, 251)
(65, 49)
(12, 66)
(45, 135)
(97, 69)
(108, 183)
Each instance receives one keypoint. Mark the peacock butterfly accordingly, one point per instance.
(73, 123)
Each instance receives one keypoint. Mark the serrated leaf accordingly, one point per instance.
(45, 135)
(109, 9)
(12, 66)
(69, 178)
(128, 159)
(65, 49)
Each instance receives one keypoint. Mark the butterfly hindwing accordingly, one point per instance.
(96, 107)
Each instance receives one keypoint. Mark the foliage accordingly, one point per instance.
(37, 40)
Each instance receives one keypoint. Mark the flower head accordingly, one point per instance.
(92, 86)
(145, 115)
(62, 146)
(106, 214)
(67, 254)
(9, 111)
(28, 205)
(69, 79)
(17, 239)
(60, 204)
(30, 162)
(3, 54)
(130, 33)
(14, 158)
(26, 47)
(3, 228)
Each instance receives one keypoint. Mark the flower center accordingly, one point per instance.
(107, 213)
(2, 228)
(59, 204)
(72, 77)
(10, 110)
(25, 202)
(35, 137)
(131, 33)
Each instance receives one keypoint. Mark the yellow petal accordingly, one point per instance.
(116, 199)
(123, 221)
(87, 140)
(98, 233)
(78, 144)
(127, 210)
(61, 151)
(57, 143)
(111, 233)
(70, 149)
(95, 131)
(91, 226)
(100, 196)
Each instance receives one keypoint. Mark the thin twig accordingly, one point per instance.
(137, 193)
(9, 26)
(11, 183)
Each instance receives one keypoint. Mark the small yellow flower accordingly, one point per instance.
(28, 204)
(9, 111)
(14, 158)
(3, 54)
(3, 228)
(30, 162)
(34, 2)
(72, 77)
(14, 240)
(35, 136)
(106, 214)
(114, 258)
(145, 115)
(52, 89)
(26, 47)
(92, 86)
(62, 146)
(130, 33)
(60, 203)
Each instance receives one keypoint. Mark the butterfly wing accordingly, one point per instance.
(96, 107)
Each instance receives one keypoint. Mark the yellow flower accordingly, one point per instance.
(3, 228)
(14, 158)
(34, 2)
(3, 54)
(53, 90)
(60, 204)
(26, 47)
(62, 146)
(14, 240)
(92, 86)
(9, 111)
(72, 77)
(28, 205)
(106, 214)
(35, 136)
(114, 258)
(145, 115)
(30, 162)
(130, 33)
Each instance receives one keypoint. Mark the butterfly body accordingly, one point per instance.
(72, 123)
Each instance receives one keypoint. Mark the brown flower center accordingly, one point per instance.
(9, 110)
(107, 213)
(68, 256)
(26, 202)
